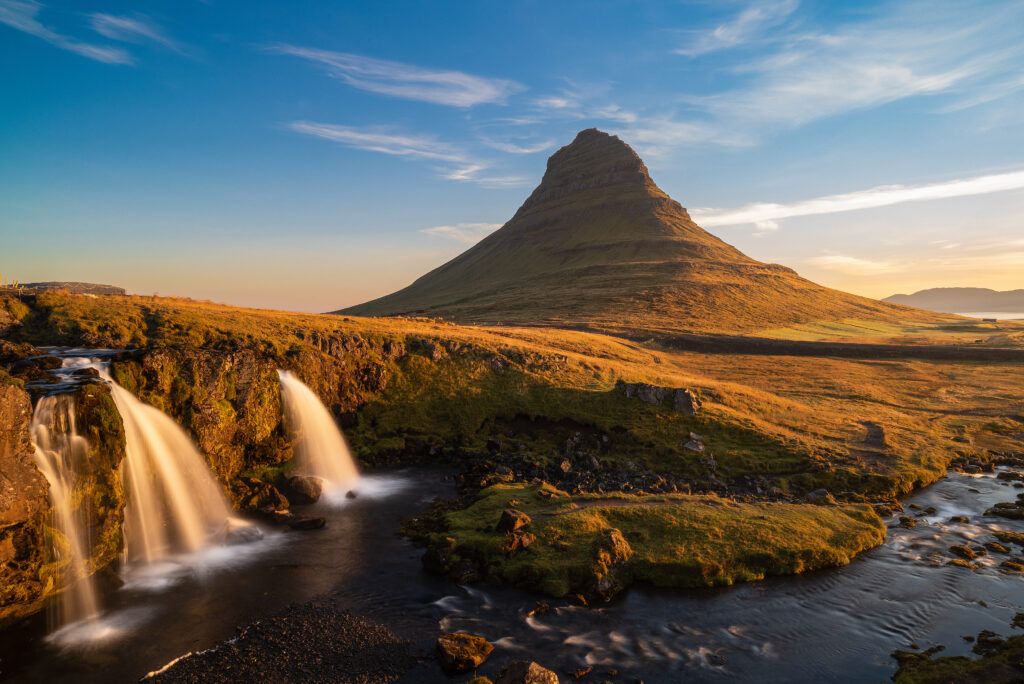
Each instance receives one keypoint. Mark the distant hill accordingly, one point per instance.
(963, 300)
(599, 244)
(77, 288)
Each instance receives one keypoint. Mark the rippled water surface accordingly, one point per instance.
(837, 625)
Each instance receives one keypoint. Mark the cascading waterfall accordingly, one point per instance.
(60, 454)
(320, 447)
(174, 502)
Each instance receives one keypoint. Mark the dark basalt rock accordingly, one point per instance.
(305, 489)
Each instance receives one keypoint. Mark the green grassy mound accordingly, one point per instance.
(597, 545)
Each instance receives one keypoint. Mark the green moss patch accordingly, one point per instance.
(672, 540)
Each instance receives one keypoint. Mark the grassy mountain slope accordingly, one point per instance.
(599, 244)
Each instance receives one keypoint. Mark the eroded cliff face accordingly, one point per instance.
(230, 401)
(30, 570)
(23, 506)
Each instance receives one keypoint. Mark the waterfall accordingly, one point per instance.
(320, 448)
(60, 454)
(174, 502)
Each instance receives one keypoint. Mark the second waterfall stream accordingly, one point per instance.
(320, 448)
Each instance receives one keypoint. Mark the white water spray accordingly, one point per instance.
(61, 453)
(320, 448)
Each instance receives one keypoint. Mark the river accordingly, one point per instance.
(835, 625)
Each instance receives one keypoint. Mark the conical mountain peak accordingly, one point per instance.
(595, 160)
(597, 243)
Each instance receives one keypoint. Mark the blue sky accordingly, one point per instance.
(314, 155)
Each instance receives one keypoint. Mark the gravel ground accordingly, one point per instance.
(311, 642)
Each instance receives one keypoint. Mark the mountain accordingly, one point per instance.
(77, 288)
(963, 300)
(598, 244)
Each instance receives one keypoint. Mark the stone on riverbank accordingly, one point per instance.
(460, 653)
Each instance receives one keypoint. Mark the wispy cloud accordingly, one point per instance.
(749, 24)
(463, 167)
(22, 16)
(853, 265)
(800, 74)
(382, 140)
(451, 88)
(131, 30)
(465, 233)
(765, 214)
(513, 148)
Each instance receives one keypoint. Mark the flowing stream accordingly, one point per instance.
(320, 448)
(834, 625)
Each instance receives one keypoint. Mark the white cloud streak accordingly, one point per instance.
(464, 233)
(131, 30)
(748, 25)
(882, 196)
(409, 146)
(450, 88)
(512, 148)
(382, 140)
(22, 16)
(853, 265)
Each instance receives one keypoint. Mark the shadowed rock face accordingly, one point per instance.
(598, 243)
(23, 504)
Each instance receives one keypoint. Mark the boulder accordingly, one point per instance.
(526, 672)
(517, 541)
(460, 653)
(686, 402)
(652, 395)
(512, 519)
(305, 489)
(610, 568)
(821, 497)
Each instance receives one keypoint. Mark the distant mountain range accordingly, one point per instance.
(963, 300)
(598, 244)
(77, 288)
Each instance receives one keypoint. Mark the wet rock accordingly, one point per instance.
(962, 551)
(1012, 565)
(460, 653)
(959, 519)
(526, 672)
(351, 494)
(307, 523)
(253, 495)
(1007, 509)
(963, 564)
(907, 522)
(512, 519)
(581, 672)
(305, 489)
(987, 642)
(996, 547)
